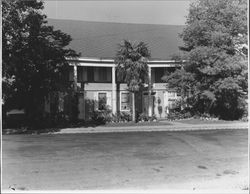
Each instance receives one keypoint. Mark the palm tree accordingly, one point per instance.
(131, 59)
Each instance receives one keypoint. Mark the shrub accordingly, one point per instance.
(102, 116)
(121, 117)
(176, 114)
(126, 116)
(153, 118)
(98, 118)
(144, 117)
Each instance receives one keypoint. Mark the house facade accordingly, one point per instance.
(94, 77)
(97, 87)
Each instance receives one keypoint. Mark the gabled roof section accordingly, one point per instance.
(101, 39)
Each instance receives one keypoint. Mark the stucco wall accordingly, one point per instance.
(90, 102)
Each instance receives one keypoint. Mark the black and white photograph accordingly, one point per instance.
(126, 96)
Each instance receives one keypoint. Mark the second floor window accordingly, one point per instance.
(159, 73)
(103, 74)
(91, 74)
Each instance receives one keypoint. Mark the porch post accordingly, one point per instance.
(113, 91)
(75, 77)
(149, 93)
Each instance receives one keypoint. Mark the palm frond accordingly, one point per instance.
(131, 59)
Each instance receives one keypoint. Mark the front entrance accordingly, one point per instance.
(138, 103)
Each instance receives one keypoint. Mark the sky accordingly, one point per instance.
(170, 12)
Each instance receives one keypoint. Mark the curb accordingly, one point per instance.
(150, 129)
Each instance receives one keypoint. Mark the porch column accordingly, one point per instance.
(149, 93)
(113, 91)
(75, 77)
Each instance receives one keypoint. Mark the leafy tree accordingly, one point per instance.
(215, 48)
(34, 54)
(131, 59)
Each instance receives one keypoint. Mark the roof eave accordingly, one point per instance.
(106, 60)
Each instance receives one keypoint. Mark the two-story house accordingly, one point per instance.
(94, 74)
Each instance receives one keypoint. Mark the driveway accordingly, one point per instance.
(193, 160)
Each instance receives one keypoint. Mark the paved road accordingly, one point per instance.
(144, 160)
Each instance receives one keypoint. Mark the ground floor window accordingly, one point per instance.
(125, 101)
(102, 100)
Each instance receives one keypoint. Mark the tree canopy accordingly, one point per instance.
(34, 54)
(132, 59)
(215, 49)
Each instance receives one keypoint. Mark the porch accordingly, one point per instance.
(95, 81)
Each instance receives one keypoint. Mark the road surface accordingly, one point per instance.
(192, 160)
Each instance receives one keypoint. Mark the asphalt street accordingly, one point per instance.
(213, 159)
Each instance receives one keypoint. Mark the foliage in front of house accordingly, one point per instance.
(214, 79)
(34, 63)
(106, 116)
(101, 117)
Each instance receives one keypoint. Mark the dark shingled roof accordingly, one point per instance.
(101, 39)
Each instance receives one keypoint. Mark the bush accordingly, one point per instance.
(144, 117)
(244, 119)
(153, 118)
(126, 116)
(121, 117)
(98, 118)
(176, 114)
(14, 121)
(102, 116)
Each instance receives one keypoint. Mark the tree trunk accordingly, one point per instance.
(133, 106)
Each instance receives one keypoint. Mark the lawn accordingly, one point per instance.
(200, 121)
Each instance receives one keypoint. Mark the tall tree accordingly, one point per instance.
(131, 59)
(33, 57)
(215, 46)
